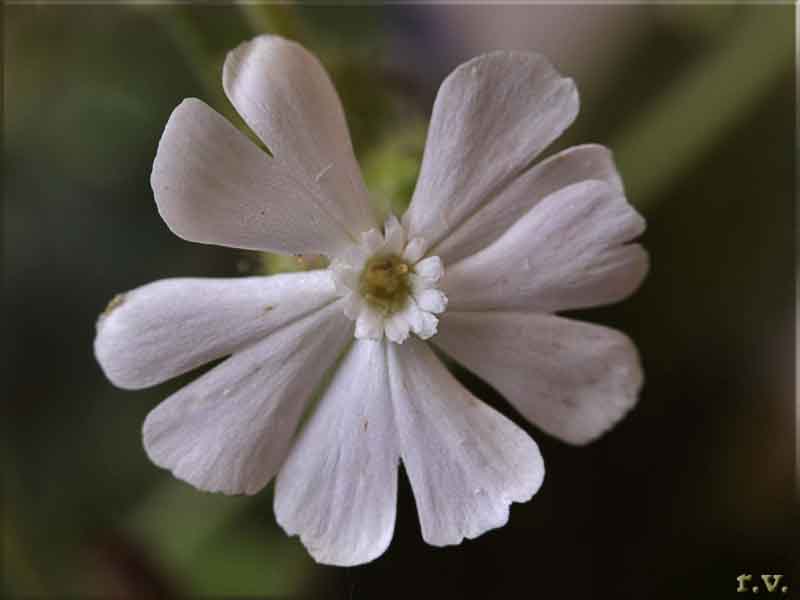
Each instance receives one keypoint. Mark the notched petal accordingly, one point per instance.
(286, 97)
(230, 430)
(466, 462)
(492, 116)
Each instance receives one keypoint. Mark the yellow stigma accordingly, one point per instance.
(384, 283)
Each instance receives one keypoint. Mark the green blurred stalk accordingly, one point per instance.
(279, 19)
(175, 520)
(689, 119)
(19, 576)
(199, 57)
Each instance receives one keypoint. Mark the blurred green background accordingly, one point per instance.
(695, 487)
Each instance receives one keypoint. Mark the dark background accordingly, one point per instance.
(695, 487)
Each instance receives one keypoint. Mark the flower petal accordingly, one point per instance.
(421, 322)
(395, 236)
(488, 223)
(429, 270)
(466, 462)
(286, 97)
(352, 305)
(414, 250)
(574, 380)
(431, 300)
(372, 241)
(492, 116)
(397, 328)
(338, 487)
(566, 252)
(344, 276)
(214, 186)
(230, 430)
(369, 324)
(169, 327)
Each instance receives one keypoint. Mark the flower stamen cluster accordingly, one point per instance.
(390, 289)
(384, 283)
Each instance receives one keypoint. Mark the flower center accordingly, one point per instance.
(388, 286)
(384, 283)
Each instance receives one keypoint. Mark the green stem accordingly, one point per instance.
(279, 19)
(176, 520)
(195, 52)
(19, 573)
(687, 121)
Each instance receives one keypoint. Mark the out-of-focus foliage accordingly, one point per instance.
(694, 488)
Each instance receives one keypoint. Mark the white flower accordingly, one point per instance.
(489, 248)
